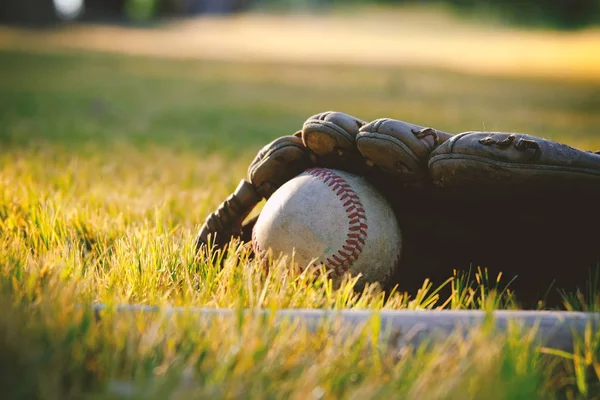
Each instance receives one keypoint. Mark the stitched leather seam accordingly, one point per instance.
(512, 165)
(329, 125)
(356, 235)
(397, 142)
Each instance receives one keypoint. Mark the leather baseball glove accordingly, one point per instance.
(511, 202)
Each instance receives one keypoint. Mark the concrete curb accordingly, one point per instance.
(553, 329)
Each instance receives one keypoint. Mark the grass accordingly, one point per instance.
(108, 164)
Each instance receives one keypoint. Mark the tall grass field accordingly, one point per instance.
(108, 166)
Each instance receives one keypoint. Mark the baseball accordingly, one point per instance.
(335, 218)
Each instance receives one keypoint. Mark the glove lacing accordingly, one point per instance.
(425, 132)
(521, 144)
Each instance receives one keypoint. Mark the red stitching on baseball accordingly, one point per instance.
(343, 258)
(357, 231)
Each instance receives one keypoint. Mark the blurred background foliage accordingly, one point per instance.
(559, 14)
(555, 14)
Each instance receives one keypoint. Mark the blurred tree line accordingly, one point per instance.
(558, 14)
(561, 14)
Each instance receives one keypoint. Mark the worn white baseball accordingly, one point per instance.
(331, 217)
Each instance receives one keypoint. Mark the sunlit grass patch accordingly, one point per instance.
(65, 350)
(107, 167)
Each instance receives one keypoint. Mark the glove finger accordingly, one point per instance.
(331, 136)
(331, 131)
(277, 163)
(247, 230)
(512, 159)
(399, 148)
(226, 222)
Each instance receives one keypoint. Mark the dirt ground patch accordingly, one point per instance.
(387, 38)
